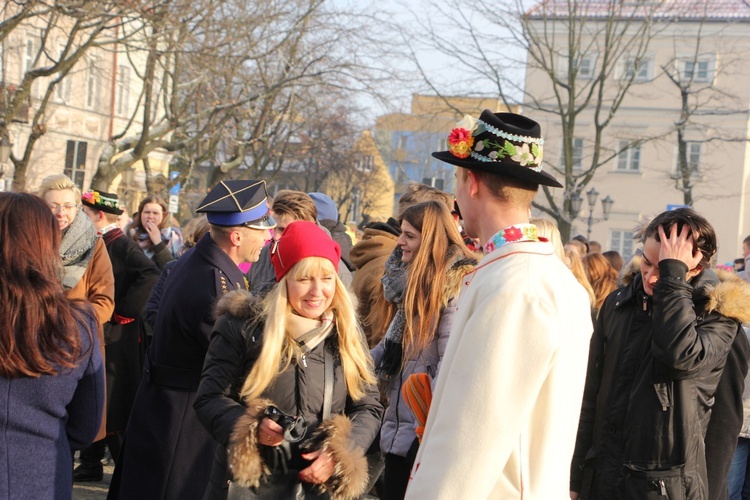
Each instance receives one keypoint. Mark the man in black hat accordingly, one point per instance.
(135, 276)
(167, 452)
(504, 413)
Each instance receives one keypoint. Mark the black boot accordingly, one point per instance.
(91, 466)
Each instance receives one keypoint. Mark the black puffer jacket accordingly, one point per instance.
(654, 365)
(235, 344)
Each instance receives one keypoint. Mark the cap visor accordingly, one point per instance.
(266, 222)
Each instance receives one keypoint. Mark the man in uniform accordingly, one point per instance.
(167, 453)
(504, 414)
(135, 276)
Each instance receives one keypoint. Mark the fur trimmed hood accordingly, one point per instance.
(238, 303)
(454, 278)
(350, 476)
(730, 297)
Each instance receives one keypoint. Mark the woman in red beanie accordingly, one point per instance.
(287, 384)
(422, 279)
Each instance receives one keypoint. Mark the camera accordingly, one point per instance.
(295, 428)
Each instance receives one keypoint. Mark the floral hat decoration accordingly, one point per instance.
(504, 144)
(99, 200)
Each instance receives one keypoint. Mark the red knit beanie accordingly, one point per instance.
(302, 239)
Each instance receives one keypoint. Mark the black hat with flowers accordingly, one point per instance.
(504, 144)
(99, 200)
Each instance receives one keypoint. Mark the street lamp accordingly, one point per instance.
(591, 197)
(575, 203)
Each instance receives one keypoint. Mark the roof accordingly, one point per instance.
(672, 10)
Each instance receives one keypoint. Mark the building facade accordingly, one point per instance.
(689, 89)
(406, 140)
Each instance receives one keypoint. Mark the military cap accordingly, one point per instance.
(238, 203)
(99, 200)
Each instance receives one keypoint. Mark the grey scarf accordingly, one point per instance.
(76, 249)
(394, 286)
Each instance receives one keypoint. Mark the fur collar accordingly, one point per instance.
(454, 278)
(239, 303)
(730, 296)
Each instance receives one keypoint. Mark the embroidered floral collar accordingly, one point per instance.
(106, 229)
(511, 234)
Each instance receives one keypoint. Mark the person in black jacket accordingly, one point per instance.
(656, 358)
(135, 275)
(266, 392)
(166, 452)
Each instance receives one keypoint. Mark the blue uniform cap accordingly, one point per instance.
(238, 203)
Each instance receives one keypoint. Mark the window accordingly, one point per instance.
(92, 84)
(621, 241)
(401, 142)
(629, 158)
(62, 89)
(577, 154)
(638, 70)
(698, 69)
(75, 162)
(123, 90)
(587, 66)
(364, 164)
(694, 156)
(29, 54)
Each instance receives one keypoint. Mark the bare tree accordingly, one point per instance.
(581, 59)
(692, 71)
(64, 32)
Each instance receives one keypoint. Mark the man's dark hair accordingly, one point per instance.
(704, 236)
(746, 240)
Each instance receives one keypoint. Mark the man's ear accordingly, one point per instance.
(473, 183)
(235, 237)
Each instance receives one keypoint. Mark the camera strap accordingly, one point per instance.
(327, 381)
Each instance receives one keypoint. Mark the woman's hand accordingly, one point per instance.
(679, 246)
(270, 433)
(320, 470)
(154, 233)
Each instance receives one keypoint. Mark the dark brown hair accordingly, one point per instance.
(704, 236)
(39, 335)
(136, 228)
(296, 204)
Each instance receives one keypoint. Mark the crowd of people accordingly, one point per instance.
(460, 349)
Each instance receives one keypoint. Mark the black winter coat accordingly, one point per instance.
(135, 275)
(167, 453)
(654, 365)
(235, 344)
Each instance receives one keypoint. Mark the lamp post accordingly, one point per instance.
(591, 196)
(5, 148)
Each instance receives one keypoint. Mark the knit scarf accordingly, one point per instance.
(76, 249)
(394, 286)
(309, 332)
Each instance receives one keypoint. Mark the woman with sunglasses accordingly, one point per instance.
(422, 279)
(87, 270)
(287, 384)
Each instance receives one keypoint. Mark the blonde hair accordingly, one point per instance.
(576, 266)
(58, 182)
(545, 228)
(279, 348)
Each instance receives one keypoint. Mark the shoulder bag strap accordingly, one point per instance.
(327, 381)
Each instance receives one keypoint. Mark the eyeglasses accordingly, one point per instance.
(67, 207)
